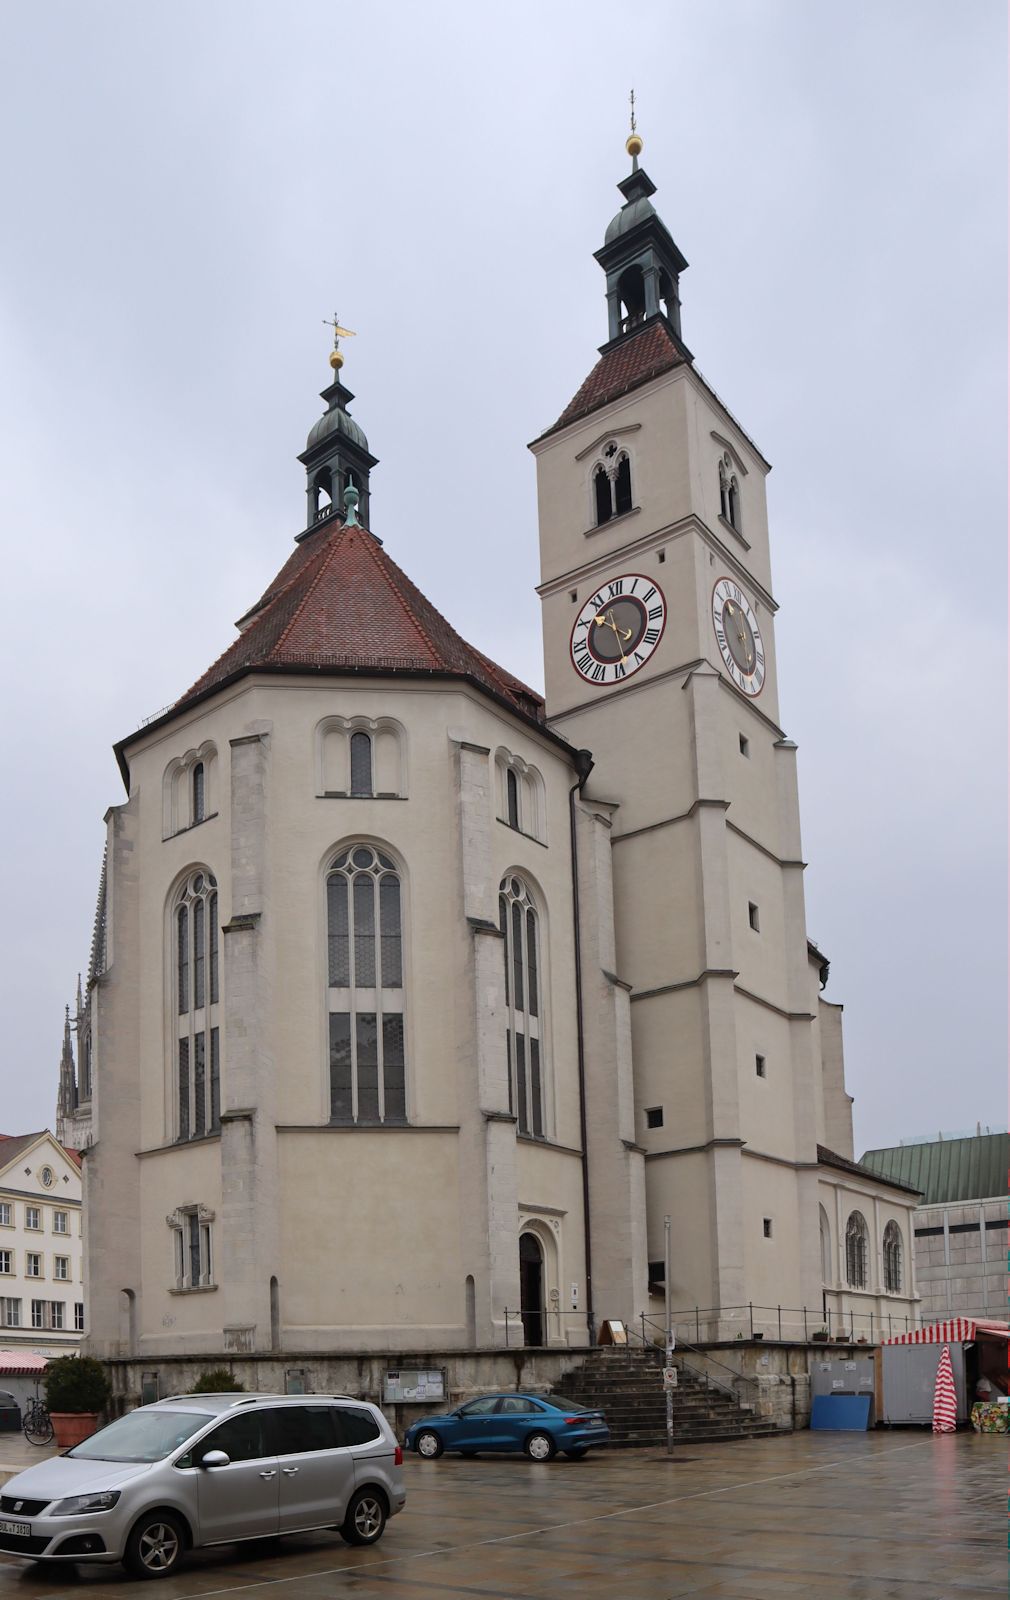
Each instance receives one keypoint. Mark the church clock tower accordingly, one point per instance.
(659, 644)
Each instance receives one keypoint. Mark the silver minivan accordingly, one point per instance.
(200, 1469)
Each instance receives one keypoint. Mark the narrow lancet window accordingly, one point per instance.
(361, 764)
(604, 497)
(622, 486)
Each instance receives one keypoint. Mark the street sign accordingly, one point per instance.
(669, 1377)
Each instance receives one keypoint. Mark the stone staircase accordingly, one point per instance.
(627, 1386)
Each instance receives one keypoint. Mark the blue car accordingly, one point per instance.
(541, 1425)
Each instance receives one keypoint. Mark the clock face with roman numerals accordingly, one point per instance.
(618, 628)
(739, 637)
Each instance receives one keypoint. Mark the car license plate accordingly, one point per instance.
(21, 1530)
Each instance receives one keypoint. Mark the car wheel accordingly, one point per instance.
(540, 1447)
(156, 1545)
(428, 1444)
(576, 1455)
(365, 1519)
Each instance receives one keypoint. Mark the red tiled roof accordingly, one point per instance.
(339, 602)
(632, 362)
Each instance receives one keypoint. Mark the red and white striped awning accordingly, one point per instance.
(957, 1330)
(21, 1364)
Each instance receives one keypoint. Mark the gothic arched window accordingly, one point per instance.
(520, 928)
(199, 808)
(196, 990)
(856, 1250)
(892, 1258)
(611, 484)
(622, 486)
(827, 1270)
(365, 987)
(734, 504)
(512, 797)
(729, 492)
(604, 498)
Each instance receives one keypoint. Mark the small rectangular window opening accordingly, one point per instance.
(759, 1066)
(744, 745)
(661, 554)
(767, 1227)
(654, 1117)
(752, 916)
(657, 1272)
(573, 595)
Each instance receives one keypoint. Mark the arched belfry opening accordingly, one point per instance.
(632, 292)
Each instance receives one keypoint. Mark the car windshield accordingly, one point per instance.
(141, 1436)
(566, 1405)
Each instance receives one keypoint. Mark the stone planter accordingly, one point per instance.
(73, 1427)
(820, 1337)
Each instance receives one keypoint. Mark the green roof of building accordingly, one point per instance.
(948, 1170)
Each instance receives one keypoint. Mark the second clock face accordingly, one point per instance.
(618, 628)
(739, 638)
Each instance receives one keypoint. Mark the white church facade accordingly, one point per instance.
(421, 1000)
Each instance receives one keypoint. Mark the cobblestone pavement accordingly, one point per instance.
(812, 1516)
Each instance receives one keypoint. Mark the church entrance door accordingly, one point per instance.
(531, 1288)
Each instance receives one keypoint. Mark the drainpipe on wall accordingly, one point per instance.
(583, 766)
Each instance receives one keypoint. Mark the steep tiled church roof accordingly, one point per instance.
(340, 603)
(631, 362)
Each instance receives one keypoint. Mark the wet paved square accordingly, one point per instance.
(880, 1516)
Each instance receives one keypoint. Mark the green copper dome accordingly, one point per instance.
(629, 217)
(336, 421)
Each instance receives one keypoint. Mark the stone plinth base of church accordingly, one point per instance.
(467, 1372)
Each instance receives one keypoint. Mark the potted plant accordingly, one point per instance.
(77, 1391)
(820, 1336)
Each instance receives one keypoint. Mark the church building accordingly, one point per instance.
(421, 1000)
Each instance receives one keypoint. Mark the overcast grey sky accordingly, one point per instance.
(189, 189)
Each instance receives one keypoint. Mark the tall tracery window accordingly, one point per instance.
(197, 992)
(520, 928)
(856, 1250)
(365, 988)
(892, 1258)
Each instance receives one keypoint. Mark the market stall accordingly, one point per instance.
(21, 1374)
(978, 1356)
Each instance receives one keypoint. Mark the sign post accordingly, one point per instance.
(668, 1365)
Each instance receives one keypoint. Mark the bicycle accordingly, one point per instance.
(37, 1425)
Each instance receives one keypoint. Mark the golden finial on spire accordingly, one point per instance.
(634, 142)
(336, 359)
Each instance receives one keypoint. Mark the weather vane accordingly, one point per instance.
(633, 144)
(336, 359)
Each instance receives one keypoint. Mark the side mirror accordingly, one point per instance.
(215, 1458)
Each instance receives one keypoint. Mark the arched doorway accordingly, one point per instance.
(531, 1288)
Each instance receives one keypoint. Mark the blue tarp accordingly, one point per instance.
(841, 1413)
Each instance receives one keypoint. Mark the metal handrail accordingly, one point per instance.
(732, 1389)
